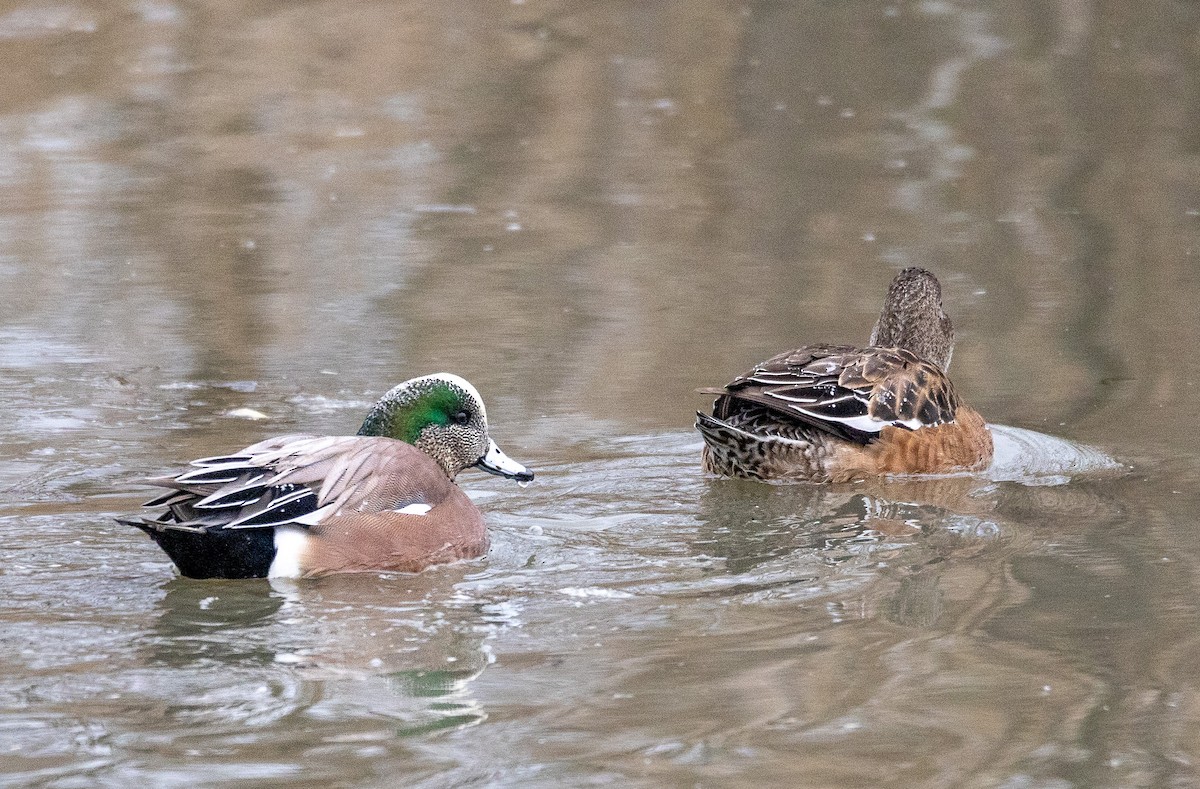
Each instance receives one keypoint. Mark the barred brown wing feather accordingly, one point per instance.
(853, 394)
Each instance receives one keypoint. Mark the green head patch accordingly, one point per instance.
(443, 416)
(435, 400)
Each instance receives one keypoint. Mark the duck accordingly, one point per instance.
(300, 506)
(841, 413)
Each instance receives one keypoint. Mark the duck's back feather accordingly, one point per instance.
(851, 393)
(287, 480)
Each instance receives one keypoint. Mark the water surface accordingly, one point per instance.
(589, 211)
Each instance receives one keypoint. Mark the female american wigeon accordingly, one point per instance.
(302, 505)
(838, 413)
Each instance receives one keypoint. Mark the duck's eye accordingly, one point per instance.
(461, 418)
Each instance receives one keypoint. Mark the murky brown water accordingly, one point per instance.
(589, 210)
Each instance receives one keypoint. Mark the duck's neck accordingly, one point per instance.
(928, 335)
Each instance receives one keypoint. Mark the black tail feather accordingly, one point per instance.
(212, 552)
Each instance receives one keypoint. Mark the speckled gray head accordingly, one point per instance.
(443, 416)
(912, 318)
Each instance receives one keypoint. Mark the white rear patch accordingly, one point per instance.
(414, 509)
(291, 543)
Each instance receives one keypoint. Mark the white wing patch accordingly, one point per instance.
(414, 509)
(866, 424)
(314, 518)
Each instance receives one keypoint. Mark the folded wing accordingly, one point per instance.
(299, 480)
(849, 392)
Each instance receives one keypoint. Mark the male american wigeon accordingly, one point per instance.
(303, 505)
(838, 413)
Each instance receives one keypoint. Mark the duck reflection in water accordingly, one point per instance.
(399, 644)
(883, 543)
